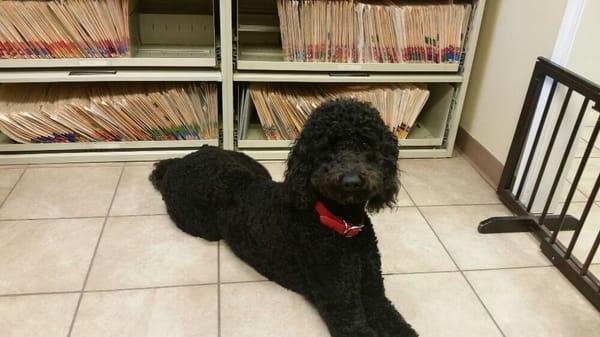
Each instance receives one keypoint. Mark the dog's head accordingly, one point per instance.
(345, 153)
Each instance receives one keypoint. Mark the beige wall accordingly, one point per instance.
(586, 47)
(514, 33)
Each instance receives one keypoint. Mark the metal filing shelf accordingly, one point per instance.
(221, 55)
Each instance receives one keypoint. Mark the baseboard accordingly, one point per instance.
(482, 160)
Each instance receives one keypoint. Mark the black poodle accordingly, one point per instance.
(311, 233)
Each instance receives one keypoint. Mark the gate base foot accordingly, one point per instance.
(519, 224)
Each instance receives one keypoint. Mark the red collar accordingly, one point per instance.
(336, 223)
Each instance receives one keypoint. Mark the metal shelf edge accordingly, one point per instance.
(46, 76)
(345, 78)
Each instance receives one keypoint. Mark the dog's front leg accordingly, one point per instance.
(333, 282)
(381, 313)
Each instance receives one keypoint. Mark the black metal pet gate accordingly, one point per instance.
(516, 174)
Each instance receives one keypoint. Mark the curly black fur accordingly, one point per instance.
(345, 157)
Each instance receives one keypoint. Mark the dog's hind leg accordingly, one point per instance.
(194, 221)
(160, 169)
(252, 165)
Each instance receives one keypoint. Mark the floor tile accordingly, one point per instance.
(445, 182)
(165, 312)
(136, 195)
(403, 199)
(37, 315)
(150, 251)
(595, 269)
(260, 309)
(588, 177)
(586, 135)
(275, 168)
(62, 192)
(8, 179)
(233, 269)
(440, 305)
(580, 147)
(535, 302)
(46, 255)
(407, 244)
(588, 233)
(591, 117)
(577, 196)
(456, 226)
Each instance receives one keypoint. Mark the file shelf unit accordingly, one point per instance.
(159, 32)
(233, 42)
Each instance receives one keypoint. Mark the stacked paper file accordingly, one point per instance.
(283, 109)
(56, 113)
(64, 29)
(350, 31)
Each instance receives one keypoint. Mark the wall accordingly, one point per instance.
(585, 52)
(514, 33)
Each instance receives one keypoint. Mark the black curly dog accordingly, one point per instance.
(345, 159)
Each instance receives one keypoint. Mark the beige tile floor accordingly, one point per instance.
(87, 250)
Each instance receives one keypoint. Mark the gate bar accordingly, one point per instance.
(565, 157)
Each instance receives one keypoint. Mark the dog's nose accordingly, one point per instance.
(351, 181)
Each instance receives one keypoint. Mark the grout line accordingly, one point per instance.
(84, 217)
(42, 293)
(421, 272)
(13, 188)
(468, 270)
(458, 268)
(509, 268)
(462, 205)
(403, 206)
(258, 281)
(54, 218)
(87, 275)
(151, 288)
(116, 289)
(580, 191)
(248, 281)
(136, 215)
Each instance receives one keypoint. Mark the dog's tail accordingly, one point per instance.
(160, 169)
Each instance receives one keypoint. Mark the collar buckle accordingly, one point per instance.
(351, 230)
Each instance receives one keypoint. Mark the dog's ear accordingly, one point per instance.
(297, 176)
(389, 167)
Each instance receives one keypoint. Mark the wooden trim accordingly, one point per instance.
(482, 160)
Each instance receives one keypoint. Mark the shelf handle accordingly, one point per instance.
(338, 74)
(92, 72)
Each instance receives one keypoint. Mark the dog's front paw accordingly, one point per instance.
(410, 332)
(405, 332)
(360, 332)
(367, 332)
